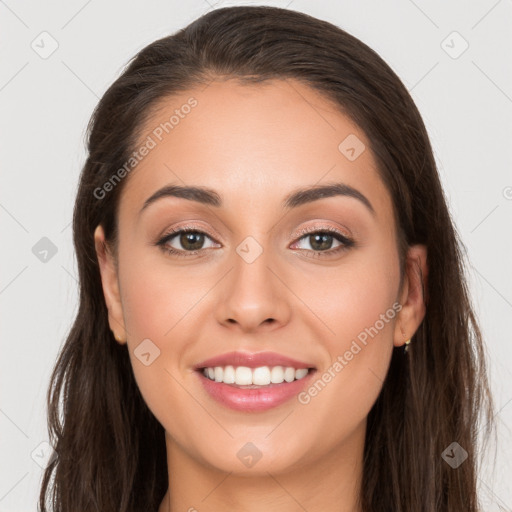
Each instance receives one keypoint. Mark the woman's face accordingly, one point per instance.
(247, 279)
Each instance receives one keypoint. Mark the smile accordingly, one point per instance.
(254, 389)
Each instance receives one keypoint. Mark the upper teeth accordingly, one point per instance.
(261, 376)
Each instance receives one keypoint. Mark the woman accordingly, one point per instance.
(273, 306)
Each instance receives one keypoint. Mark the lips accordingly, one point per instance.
(252, 360)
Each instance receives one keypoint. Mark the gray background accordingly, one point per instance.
(464, 98)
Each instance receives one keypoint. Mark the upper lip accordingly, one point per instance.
(252, 360)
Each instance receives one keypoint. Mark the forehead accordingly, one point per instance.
(251, 142)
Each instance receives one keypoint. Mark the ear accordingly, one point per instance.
(110, 283)
(413, 294)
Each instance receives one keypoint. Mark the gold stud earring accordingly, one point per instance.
(407, 343)
(117, 337)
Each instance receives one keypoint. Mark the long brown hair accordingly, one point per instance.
(110, 449)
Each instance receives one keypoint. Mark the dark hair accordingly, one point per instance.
(110, 449)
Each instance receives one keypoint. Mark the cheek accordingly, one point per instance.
(158, 305)
(353, 297)
(363, 304)
(158, 298)
(356, 309)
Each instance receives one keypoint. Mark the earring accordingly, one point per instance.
(407, 343)
(117, 337)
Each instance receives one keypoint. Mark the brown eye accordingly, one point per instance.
(192, 240)
(321, 241)
(184, 242)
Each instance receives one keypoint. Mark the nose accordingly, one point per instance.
(253, 295)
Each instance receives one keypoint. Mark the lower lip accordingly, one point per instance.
(255, 399)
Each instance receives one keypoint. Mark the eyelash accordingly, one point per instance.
(347, 243)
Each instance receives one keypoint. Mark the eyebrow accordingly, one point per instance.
(295, 199)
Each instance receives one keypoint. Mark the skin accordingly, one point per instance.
(255, 144)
